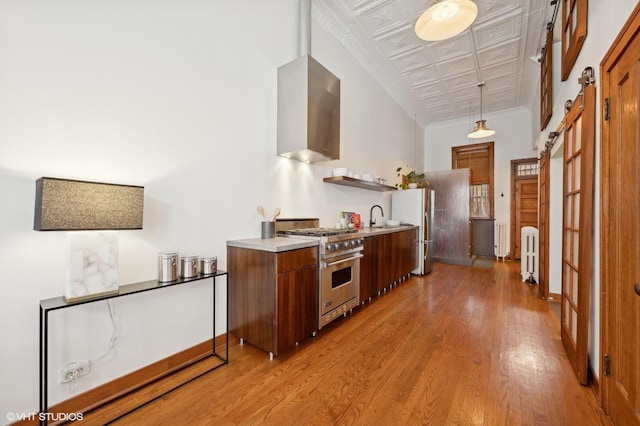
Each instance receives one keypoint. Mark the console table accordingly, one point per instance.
(48, 305)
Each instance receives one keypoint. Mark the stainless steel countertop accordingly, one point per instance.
(277, 244)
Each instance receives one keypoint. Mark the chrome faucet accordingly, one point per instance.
(371, 220)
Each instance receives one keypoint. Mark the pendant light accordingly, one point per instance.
(445, 19)
(481, 130)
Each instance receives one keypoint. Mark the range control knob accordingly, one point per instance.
(331, 247)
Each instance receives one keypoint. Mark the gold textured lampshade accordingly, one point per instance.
(481, 130)
(71, 205)
(445, 19)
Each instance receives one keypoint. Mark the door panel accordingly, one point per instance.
(526, 209)
(543, 228)
(577, 229)
(620, 219)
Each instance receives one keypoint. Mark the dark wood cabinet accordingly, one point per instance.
(387, 258)
(368, 269)
(273, 297)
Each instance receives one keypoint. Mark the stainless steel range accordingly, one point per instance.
(339, 269)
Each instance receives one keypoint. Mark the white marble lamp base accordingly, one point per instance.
(92, 269)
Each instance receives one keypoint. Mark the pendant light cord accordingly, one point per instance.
(481, 84)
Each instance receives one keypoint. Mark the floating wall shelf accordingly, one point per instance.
(358, 183)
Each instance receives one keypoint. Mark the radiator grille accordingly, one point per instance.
(501, 239)
(529, 253)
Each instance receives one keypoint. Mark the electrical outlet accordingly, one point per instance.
(73, 370)
(84, 367)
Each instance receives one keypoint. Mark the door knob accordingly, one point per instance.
(636, 287)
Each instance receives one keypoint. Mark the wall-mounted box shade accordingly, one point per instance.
(71, 205)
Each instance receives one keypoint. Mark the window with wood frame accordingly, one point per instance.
(574, 31)
(546, 80)
(478, 158)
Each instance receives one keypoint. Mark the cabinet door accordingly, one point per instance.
(368, 269)
(408, 246)
(252, 309)
(297, 306)
(384, 261)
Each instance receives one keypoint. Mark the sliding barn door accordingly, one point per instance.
(620, 225)
(577, 229)
(543, 224)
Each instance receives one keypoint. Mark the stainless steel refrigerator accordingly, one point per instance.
(415, 207)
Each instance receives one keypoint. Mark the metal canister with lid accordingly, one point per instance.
(208, 265)
(189, 266)
(167, 267)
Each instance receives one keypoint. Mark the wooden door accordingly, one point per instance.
(620, 224)
(524, 198)
(543, 224)
(577, 229)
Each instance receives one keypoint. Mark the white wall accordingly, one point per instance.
(605, 19)
(180, 97)
(511, 141)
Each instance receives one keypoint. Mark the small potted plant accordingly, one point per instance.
(413, 179)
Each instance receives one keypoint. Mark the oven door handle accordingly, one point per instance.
(348, 259)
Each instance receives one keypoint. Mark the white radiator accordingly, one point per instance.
(501, 240)
(529, 246)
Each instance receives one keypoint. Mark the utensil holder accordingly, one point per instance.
(268, 229)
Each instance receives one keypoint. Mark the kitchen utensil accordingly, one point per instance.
(261, 211)
(276, 213)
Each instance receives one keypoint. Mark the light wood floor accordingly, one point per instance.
(460, 346)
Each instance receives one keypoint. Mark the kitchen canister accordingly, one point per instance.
(189, 266)
(167, 267)
(208, 265)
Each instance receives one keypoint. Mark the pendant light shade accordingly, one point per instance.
(481, 130)
(445, 19)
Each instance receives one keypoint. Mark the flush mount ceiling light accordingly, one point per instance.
(446, 18)
(481, 130)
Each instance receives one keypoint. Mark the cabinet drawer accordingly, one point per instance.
(296, 259)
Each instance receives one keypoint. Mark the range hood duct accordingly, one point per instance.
(308, 104)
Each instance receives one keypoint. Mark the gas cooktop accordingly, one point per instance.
(319, 232)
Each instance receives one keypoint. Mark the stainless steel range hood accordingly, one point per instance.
(308, 104)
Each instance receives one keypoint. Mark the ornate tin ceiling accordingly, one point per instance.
(438, 81)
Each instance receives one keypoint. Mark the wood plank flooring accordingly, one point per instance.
(460, 346)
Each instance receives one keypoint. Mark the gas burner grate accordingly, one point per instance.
(320, 232)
